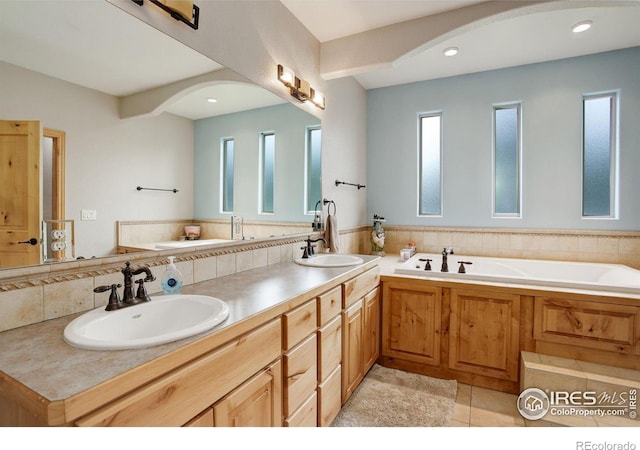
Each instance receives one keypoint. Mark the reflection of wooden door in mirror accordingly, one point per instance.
(53, 182)
(19, 193)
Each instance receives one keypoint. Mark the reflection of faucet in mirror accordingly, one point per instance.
(318, 221)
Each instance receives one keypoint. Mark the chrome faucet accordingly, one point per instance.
(128, 298)
(309, 250)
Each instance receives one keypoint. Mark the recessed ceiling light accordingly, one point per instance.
(450, 51)
(581, 26)
(212, 100)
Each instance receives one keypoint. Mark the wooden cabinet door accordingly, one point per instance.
(352, 356)
(411, 322)
(257, 403)
(203, 420)
(484, 333)
(371, 332)
(602, 326)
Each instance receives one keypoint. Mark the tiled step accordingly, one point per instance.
(554, 375)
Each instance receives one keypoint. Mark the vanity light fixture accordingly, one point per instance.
(212, 100)
(300, 89)
(582, 26)
(182, 10)
(451, 51)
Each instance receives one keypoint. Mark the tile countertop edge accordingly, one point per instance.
(88, 377)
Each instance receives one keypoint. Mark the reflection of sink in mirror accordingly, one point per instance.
(164, 319)
(330, 260)
(194, 243)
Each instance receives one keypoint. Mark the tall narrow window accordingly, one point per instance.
(599, 155)
(506, 160)
(313, 168)
(226, 175)
(267, 171)
(430, 189)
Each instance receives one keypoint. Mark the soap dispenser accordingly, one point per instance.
(172, 278)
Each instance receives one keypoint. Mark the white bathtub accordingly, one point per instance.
(571, 275)
(189, 244)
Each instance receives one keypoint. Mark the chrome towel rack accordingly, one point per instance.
(359, 186)
(140, 188)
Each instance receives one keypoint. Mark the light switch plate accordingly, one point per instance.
(88, 214)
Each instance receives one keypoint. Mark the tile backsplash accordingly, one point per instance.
(39, 293)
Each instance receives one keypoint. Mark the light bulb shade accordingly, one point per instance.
(286, 76)
(303, 89)
(317, 98)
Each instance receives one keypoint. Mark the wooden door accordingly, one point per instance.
(19, 193)
(484, 333)
(411, 322)
(352, 356)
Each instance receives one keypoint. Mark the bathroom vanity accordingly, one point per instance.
(295, 337)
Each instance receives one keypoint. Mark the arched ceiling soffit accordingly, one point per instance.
(388, 46)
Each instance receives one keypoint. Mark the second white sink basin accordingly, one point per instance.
(164, 319)
(330, 260)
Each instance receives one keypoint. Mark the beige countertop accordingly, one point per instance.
(37, 357)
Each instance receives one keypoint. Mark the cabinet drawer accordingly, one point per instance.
(306, 416)
(329, 347)
(300, 374)
(357, 287)
(178, 396)
(329, 305)
(329, 398)
(298, 324)
(604, 326)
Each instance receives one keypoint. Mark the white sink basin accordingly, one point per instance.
(164, 319)
(330, 260)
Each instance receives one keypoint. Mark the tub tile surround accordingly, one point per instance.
(614, 247)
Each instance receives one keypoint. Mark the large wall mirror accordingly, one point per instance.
(78, 77)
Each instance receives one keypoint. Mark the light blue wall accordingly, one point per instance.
(289, 124)
(551, 96)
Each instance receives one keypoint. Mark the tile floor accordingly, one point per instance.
(480, 407)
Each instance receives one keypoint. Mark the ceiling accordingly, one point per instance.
(512, 41)
(83, 49)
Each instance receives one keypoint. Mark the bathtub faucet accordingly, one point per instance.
(445, 252)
